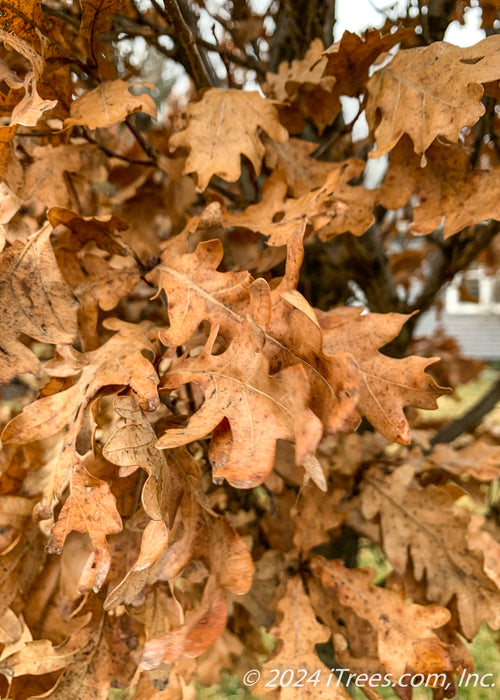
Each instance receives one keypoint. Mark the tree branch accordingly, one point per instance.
(471, 419)
(198, 71)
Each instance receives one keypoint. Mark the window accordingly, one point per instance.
(473, 292)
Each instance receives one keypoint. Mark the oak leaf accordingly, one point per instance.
(294, 160)
(278, 216)
(426, 525)
(479, 460)
(303, 85)
(248, 409)
(222, 126)
(447, 187)
(118, 362)
(299, 632)
(199, 632)
(89, 508)
(405, 635)
(42, 308)
(388, 384)
(97, 18)
(350, 58)
(133, 445)
(108, 104)
(412, 93)
(196, 291)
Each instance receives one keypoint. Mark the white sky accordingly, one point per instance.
(358, 15)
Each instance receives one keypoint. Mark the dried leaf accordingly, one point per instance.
(108, 104)
(426, 525)
(43, 309)
(300, 632)
(412, 93)
(220, 127)
(388, 384)
(405, 635)
(90, 508)
(248, 409)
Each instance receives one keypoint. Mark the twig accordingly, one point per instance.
(146, 147)
(188, 42)
(424, 21)
(246, 62)
(110, 153)
(471, 419)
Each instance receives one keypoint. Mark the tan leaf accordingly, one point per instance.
(426, 525)
(350, 58)
(134, 445)
(446, 187)
(314, 516)
(119, 362)
(46, 176)
(248, 409)
(304, 85)
(405, 635)
(196, 291)
(97, 18)
(108, 104)
(29, 110)
(41, 656)
(278, 217)
(220, 127)
(43, 309)
(412, 93)
(90, 508)
(199, 632)
(299, 633)
(480, 460)
(388, 384)
(294, 160)
(231, 560)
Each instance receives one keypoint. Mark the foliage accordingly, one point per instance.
(209, 378)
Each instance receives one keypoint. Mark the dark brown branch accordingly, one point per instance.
(113, 154)
(186, 38)
(146, 147)
(472, 418)
(244, 61)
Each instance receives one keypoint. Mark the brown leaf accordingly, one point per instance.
(278, 217)
(350, 58)
(90, 508)
(293, 159)
(220, 127)
(97, 18)
(41, 656)
(299, 633)
(446, 187)
(134, 445)
(388, 384)
(118, 362)
(43, 308)
(480, 460)
(305, 87)
(196, 291)
(248, 409)
(314, 516)
(412, 93)
(405, 635)
(30, 109)
(199, 632)
(426, 525)
(108, 104)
